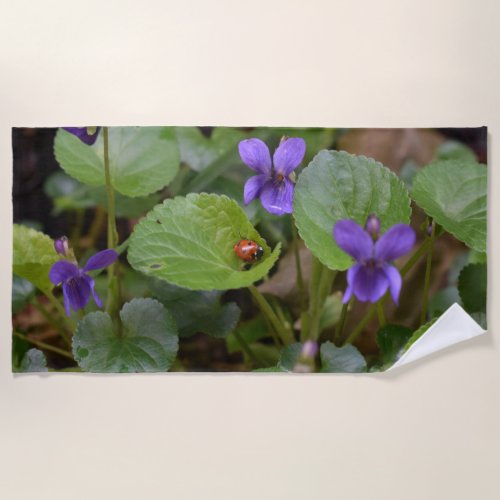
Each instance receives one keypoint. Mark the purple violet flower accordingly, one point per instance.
(77, 285)
(372, 274)
(273, 185)
(88, 135)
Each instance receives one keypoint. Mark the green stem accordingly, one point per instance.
(321, 284)
(44, 345)
(268, 312)
(77, 229)
(340, 325)
(113, 301)
(96, 225)
(427, 282)
(380, 313)
(247, 349)
(298, 267)
(373, 309)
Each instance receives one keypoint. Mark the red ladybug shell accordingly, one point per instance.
(248, 250)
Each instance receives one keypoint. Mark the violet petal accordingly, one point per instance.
(395, 281)
(353, 239)
(288, 155)
(91, 284)
(255, 154)
(351, 277)
(253, 187)
(397, 241)
(76, 292)
(61, 271)
(276, 197)
(83, 134)
(370, 284)
(101, 260)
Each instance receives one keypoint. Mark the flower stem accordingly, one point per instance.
(285, 336)
(247, 349)
(380, 313)
(427, 282)
(298, 266)
(113, 274)
(321, 284)
(44, 345)
(95, 226)
(340, 325)
(371, 312)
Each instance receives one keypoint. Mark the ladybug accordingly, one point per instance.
(248, 250)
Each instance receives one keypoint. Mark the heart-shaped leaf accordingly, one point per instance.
(197, 311)
(142, 160)
(148, 341)
(391, 340)
(346, 359)
(22, 292)
(289, 356)
(32, 362)
(337, 185)
(67, 193)
(199, 151)
(472, 286)
(453, 192)
(419, 332)
(33, 256)
(189, 241)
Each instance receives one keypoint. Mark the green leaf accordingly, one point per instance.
(22, 292)
(142, 159)
(188, 241)
(477, 257)
(419, 332)
(67, 193)
(391, 340)
(197, 311)
(332, 308)
(472, 286)
(268, 355)
(408, 172)
(442, 300)
(454, 150)
(270, 369)
(251, 331)
(458, 263)
(337, 185)
(199, 151)
(453, 193)
(33, 256)
(346, 359)
(148, 343)
(125, 206)
(480, 319)
(289, 356)
(20, 347)
(32, 362)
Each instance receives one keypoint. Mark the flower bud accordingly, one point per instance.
(372, 226)
(309, 349)
(61, 246)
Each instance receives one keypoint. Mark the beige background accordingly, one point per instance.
(429, 431)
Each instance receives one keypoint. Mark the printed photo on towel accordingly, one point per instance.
(217, 249)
